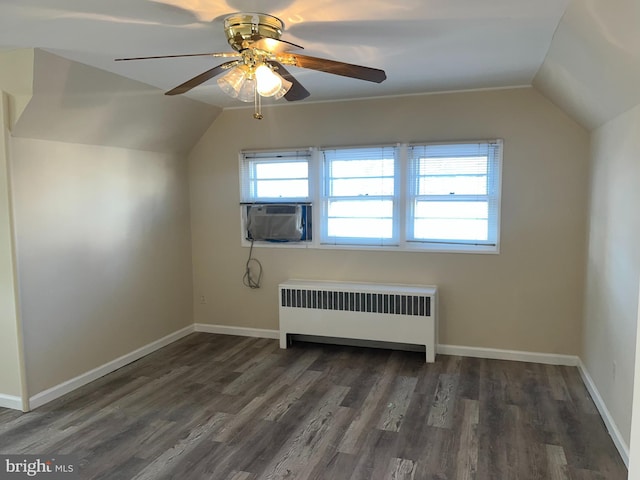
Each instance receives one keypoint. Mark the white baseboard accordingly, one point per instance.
(615, 434)
(477, 352)
(63, 388)
(239, 331)
(10, 401)
(514, 355)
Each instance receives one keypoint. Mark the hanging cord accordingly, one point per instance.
(249, 279)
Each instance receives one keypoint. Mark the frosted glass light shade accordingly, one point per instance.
(268, 83)
(247, 91)
(231, 83)
(286, 85)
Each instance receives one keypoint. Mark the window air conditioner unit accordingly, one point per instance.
(278, 223)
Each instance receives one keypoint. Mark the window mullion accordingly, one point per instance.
(401, 194)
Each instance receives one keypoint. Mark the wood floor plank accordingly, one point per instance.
(301, 364)
(262, 351)
(375, 455)
(557, 463)
(401, 469)
(334, 466)
(413, 434)
(397, 405)
(255, 408)
(441, 414)
(469, 381)
(467, 459)
(373, 404)
(228, 408)
(577, 391)
(241, 476)
(559, 390)
(527, 457)
(163, 462)
(257, 446)
(161, 435)
(293, 395)
(493, 429)
(249, 378)
(237, 347)
(435, 460)
(581, 474)
(306, 447)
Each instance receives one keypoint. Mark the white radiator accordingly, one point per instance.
(363, 311)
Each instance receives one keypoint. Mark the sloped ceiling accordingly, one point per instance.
(592, 69)
(76, 103)
(423, 45)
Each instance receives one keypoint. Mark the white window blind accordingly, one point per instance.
(454, 193)
(275, 176)
(359, 189)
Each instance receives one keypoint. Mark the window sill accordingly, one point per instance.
(408, 247)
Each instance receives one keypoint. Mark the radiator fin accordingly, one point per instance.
(389, 303)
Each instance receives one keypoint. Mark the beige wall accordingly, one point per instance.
(16, 83)
(103, 249)
(613, 267)
(10, 369)
(527, 298)
(634, 445)
(16, 78)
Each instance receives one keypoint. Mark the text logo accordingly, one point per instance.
(56, 467)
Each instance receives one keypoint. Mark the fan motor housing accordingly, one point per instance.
(242, 29)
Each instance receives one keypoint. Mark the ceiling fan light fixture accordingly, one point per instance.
(247, 92)
(286, 85)
(269, 83)
(261, 54)
(231, 83)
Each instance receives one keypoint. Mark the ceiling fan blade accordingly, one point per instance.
(331, 66)
(203, 77)
(216, 54)
(274, 45)
(297, 91)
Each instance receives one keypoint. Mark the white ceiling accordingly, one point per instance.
(423, 45)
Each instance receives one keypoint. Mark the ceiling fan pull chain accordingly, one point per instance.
(257, 102)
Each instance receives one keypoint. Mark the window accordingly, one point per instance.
(359, 202)
(453, 196)
(276, 177)
(437, 197)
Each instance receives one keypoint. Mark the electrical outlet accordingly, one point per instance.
(203, 299)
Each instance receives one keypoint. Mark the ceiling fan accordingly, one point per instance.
(258, 67)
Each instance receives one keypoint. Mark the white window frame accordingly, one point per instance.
(493, 150)
(328, 155)
(404, 197)
(248, 160)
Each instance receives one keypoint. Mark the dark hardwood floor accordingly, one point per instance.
(233, 408)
